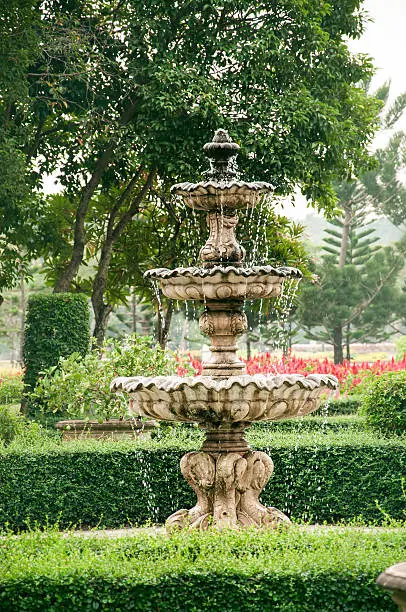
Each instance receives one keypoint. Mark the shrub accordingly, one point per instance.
(56, 326)
(12, 423)
(80, 386)
(11, 388)
(15, 427)
(323, 477)
(310, 423)
(344, 405)
(293, 569)
(384, 402)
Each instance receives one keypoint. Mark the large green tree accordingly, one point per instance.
(121, 98)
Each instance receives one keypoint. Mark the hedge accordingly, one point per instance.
(317, 478)
(344, 405)
(56, 326)
(313, 423)
(384, 403)
(290, 570)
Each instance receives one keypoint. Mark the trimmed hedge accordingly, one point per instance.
(312, 423)
(316, 478)
(294, 569)
(346, 405)
(384, 403)
(56, 326)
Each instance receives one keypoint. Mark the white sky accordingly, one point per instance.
(385, 41)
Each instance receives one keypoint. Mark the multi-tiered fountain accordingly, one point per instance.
(226, 474)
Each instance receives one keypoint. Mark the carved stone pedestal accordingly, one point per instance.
(223, 321)
(228, 478)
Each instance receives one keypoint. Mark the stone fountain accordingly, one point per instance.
(226, 474)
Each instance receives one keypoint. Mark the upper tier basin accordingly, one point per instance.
(222, 283)
(246, 398)
(218, 195)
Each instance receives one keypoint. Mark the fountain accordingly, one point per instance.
(226, 474)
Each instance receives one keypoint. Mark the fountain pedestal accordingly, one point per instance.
(228, 478)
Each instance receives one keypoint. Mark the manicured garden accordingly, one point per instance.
(342, 469)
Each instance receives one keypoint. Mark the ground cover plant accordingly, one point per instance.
(292, 569)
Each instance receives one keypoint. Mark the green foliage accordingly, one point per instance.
(80, 386)
(293, 569)
(400, 347)
(357, 296)
(56, 326)
(384, 402)
(346, 405)
(11, 389)
(319, 476)
(343, 421)
(12, 423)
(364, 298)
(14, 427)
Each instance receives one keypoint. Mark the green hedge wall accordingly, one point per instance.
(291, 570)
(56, 326)
(345, 405)
(116, 484)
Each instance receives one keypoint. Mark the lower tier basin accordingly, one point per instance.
(203, 399)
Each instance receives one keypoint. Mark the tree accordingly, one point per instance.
(357, 296)
(355, 300)
(127, 98)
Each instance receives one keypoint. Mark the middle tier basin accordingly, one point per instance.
(223, 282)
(203, 399)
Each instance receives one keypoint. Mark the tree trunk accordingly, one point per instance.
(338, 344)
(164, 323)
(347, 342)
(100, 327)
(345, 236)
(22, 320)
(248, 344)
(102, 310)
(133, 311)
(64, 282)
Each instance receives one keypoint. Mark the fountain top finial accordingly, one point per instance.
(221, 188)
(221, 150)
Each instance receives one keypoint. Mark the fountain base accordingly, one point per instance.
(228, 478)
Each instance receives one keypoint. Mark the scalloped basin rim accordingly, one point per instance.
(260, 381)
(206, 186)
(281, 271)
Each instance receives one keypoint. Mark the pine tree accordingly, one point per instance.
(355, 294)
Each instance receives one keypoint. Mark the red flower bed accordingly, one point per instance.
(350, 373)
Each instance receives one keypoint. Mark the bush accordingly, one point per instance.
(56, 326)
(384, 403)
(293, 569)
(310, 423)
(12, 423)
(80, 387)
(11, 388)
(344, 405)
(323, 477)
